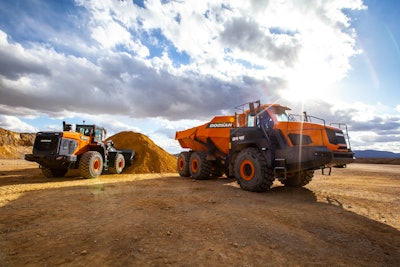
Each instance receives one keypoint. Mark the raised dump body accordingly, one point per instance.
(260, 144)
(217, 130)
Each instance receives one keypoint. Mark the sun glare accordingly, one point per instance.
(304, 90)
(306, 83)
(301, 93)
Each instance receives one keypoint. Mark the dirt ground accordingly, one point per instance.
(351, 218)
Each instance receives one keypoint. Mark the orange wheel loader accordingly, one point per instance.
(80, 147)
(261, 143)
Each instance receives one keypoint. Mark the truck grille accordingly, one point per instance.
(46, 143)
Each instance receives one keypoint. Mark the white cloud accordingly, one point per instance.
(222, 40)
(15, 124)
(110, 34)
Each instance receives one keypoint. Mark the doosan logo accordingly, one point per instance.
(220, 125)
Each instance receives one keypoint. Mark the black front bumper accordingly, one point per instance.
(52, 161)
(341, 159)
(313, 158)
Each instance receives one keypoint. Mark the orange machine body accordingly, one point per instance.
(82, 144)
(260, 144)
(296, 132)
(218, 129)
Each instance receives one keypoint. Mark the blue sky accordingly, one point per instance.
(156, 67)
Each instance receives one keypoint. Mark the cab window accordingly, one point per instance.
(250, 121)
(99, 134)
(280, 114)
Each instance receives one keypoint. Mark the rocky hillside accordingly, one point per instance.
(15, 145)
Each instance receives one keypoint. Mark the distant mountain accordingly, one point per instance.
(376, 154)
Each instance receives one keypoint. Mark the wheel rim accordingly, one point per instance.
(96, 165)
(120, 164)
(247, 170)
(181, 164)
(195, 165)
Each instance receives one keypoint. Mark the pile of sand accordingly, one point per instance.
(149, 158)
(15, 145)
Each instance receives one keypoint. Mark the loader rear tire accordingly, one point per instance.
(199, 166)
(118, 164)
(251, 171)
(298, 179)
(54, 173)
(91, 164)
(183, 164)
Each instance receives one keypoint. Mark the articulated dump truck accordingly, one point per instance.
(261, 143)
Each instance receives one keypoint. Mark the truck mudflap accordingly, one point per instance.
(52, 161)
(313, 158)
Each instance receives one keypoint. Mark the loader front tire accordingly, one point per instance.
(251, 171)
(199, 166)
(91, 164)
(183, 164)
(118, 164)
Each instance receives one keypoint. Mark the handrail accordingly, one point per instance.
(242, 107)
(345, 131)
(306, 118)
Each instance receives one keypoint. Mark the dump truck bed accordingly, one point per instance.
(216, 131)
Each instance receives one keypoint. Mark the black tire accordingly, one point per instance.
(230, 171)
(91, 164)
(251, 171)
(54, 173)
(199, 166)
(118, 165)
(183, 164)
(298, 179)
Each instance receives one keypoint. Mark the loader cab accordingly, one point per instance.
(97, 133)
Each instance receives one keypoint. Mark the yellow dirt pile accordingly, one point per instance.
(149, 157)
(15, 145)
